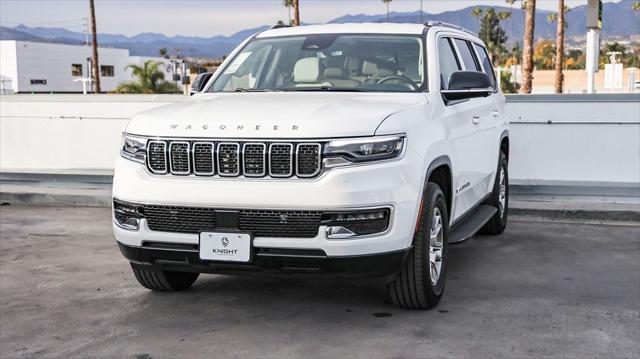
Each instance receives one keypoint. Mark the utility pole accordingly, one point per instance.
(94, 45)
(296, 12)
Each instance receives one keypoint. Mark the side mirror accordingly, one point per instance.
(467, 84)
(200, 82)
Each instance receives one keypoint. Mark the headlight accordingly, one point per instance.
(366, 149)
(134, 148)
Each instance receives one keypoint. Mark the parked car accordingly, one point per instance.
(346, 149)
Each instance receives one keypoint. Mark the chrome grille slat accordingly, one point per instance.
(255, 159)
(179, 162)
(203, 158)
(228, 159)
(308, 159)
(157, 157)
(281, 159)
(234, 158)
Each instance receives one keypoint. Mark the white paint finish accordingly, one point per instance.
(52, 62)
(600, 150)
(8, 64)
(274, 115)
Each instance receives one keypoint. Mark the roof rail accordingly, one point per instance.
(446, 24)
(278, 26)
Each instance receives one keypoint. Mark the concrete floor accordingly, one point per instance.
(540, 290)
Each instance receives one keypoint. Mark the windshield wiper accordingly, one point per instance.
(242, 89)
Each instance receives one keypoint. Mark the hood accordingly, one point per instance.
(273, 115)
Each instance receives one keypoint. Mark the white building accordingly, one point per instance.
(38, 67)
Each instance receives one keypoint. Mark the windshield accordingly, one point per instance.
(326, 62)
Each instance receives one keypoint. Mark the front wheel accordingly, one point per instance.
(499, 199)
(162, 280)
(420, 283)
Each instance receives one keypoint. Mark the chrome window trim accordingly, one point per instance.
(166, 168)
(264, 159)
(319, 160)
(290, 159)
(213, 158)
(235, 174)
(180, 173)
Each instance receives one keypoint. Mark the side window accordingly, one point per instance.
(467, 55)
(448, 61)
(486, 63)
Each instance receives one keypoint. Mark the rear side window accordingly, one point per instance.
(486, 63)
(467, 56)
(448, 61)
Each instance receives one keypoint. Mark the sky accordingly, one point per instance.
(210, 17)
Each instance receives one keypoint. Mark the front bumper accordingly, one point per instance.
(267, 261)
(394, 184)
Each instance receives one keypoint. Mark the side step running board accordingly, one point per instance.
(471, 223)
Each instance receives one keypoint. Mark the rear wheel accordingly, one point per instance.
(499, 199)
(420, 283)
(164, 281)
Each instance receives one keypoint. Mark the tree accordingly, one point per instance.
(636, 6)
(387, 3)
(492, 34)
(560, 46)
(289, 4)
(148, 79)
(544, 55)
(296, 12)
(163, 52)
(527, 55)
(477, 12)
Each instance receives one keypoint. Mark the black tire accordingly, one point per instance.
(498, 222)
(412, 288)
(164, 281)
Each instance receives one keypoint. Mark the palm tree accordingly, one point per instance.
(560, 46)
(289, 4)
(149, 79)
(296, 12)
(527, 55)
(387, 3)
(477, 12)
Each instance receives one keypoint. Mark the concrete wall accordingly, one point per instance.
(554, 139)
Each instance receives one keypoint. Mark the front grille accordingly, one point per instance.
(232, 159)
(255, 159)
(157, 157)
(261, 223)
(308, 159)
(179, 158)
(229, 159)
(203, 158)
(273, 223)
(281, 159)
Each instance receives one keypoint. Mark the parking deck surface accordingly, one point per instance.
(541, 289)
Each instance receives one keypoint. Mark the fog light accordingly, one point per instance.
(126, 216)
(355, 223)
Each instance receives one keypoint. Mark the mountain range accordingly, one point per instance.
(618, 20)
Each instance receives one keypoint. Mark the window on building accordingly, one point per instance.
(76, 69)
(106, 70)
(38, 82)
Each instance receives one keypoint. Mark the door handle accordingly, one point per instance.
(475, 120)
(495, 113)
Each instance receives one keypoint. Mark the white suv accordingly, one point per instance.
(351, 149)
